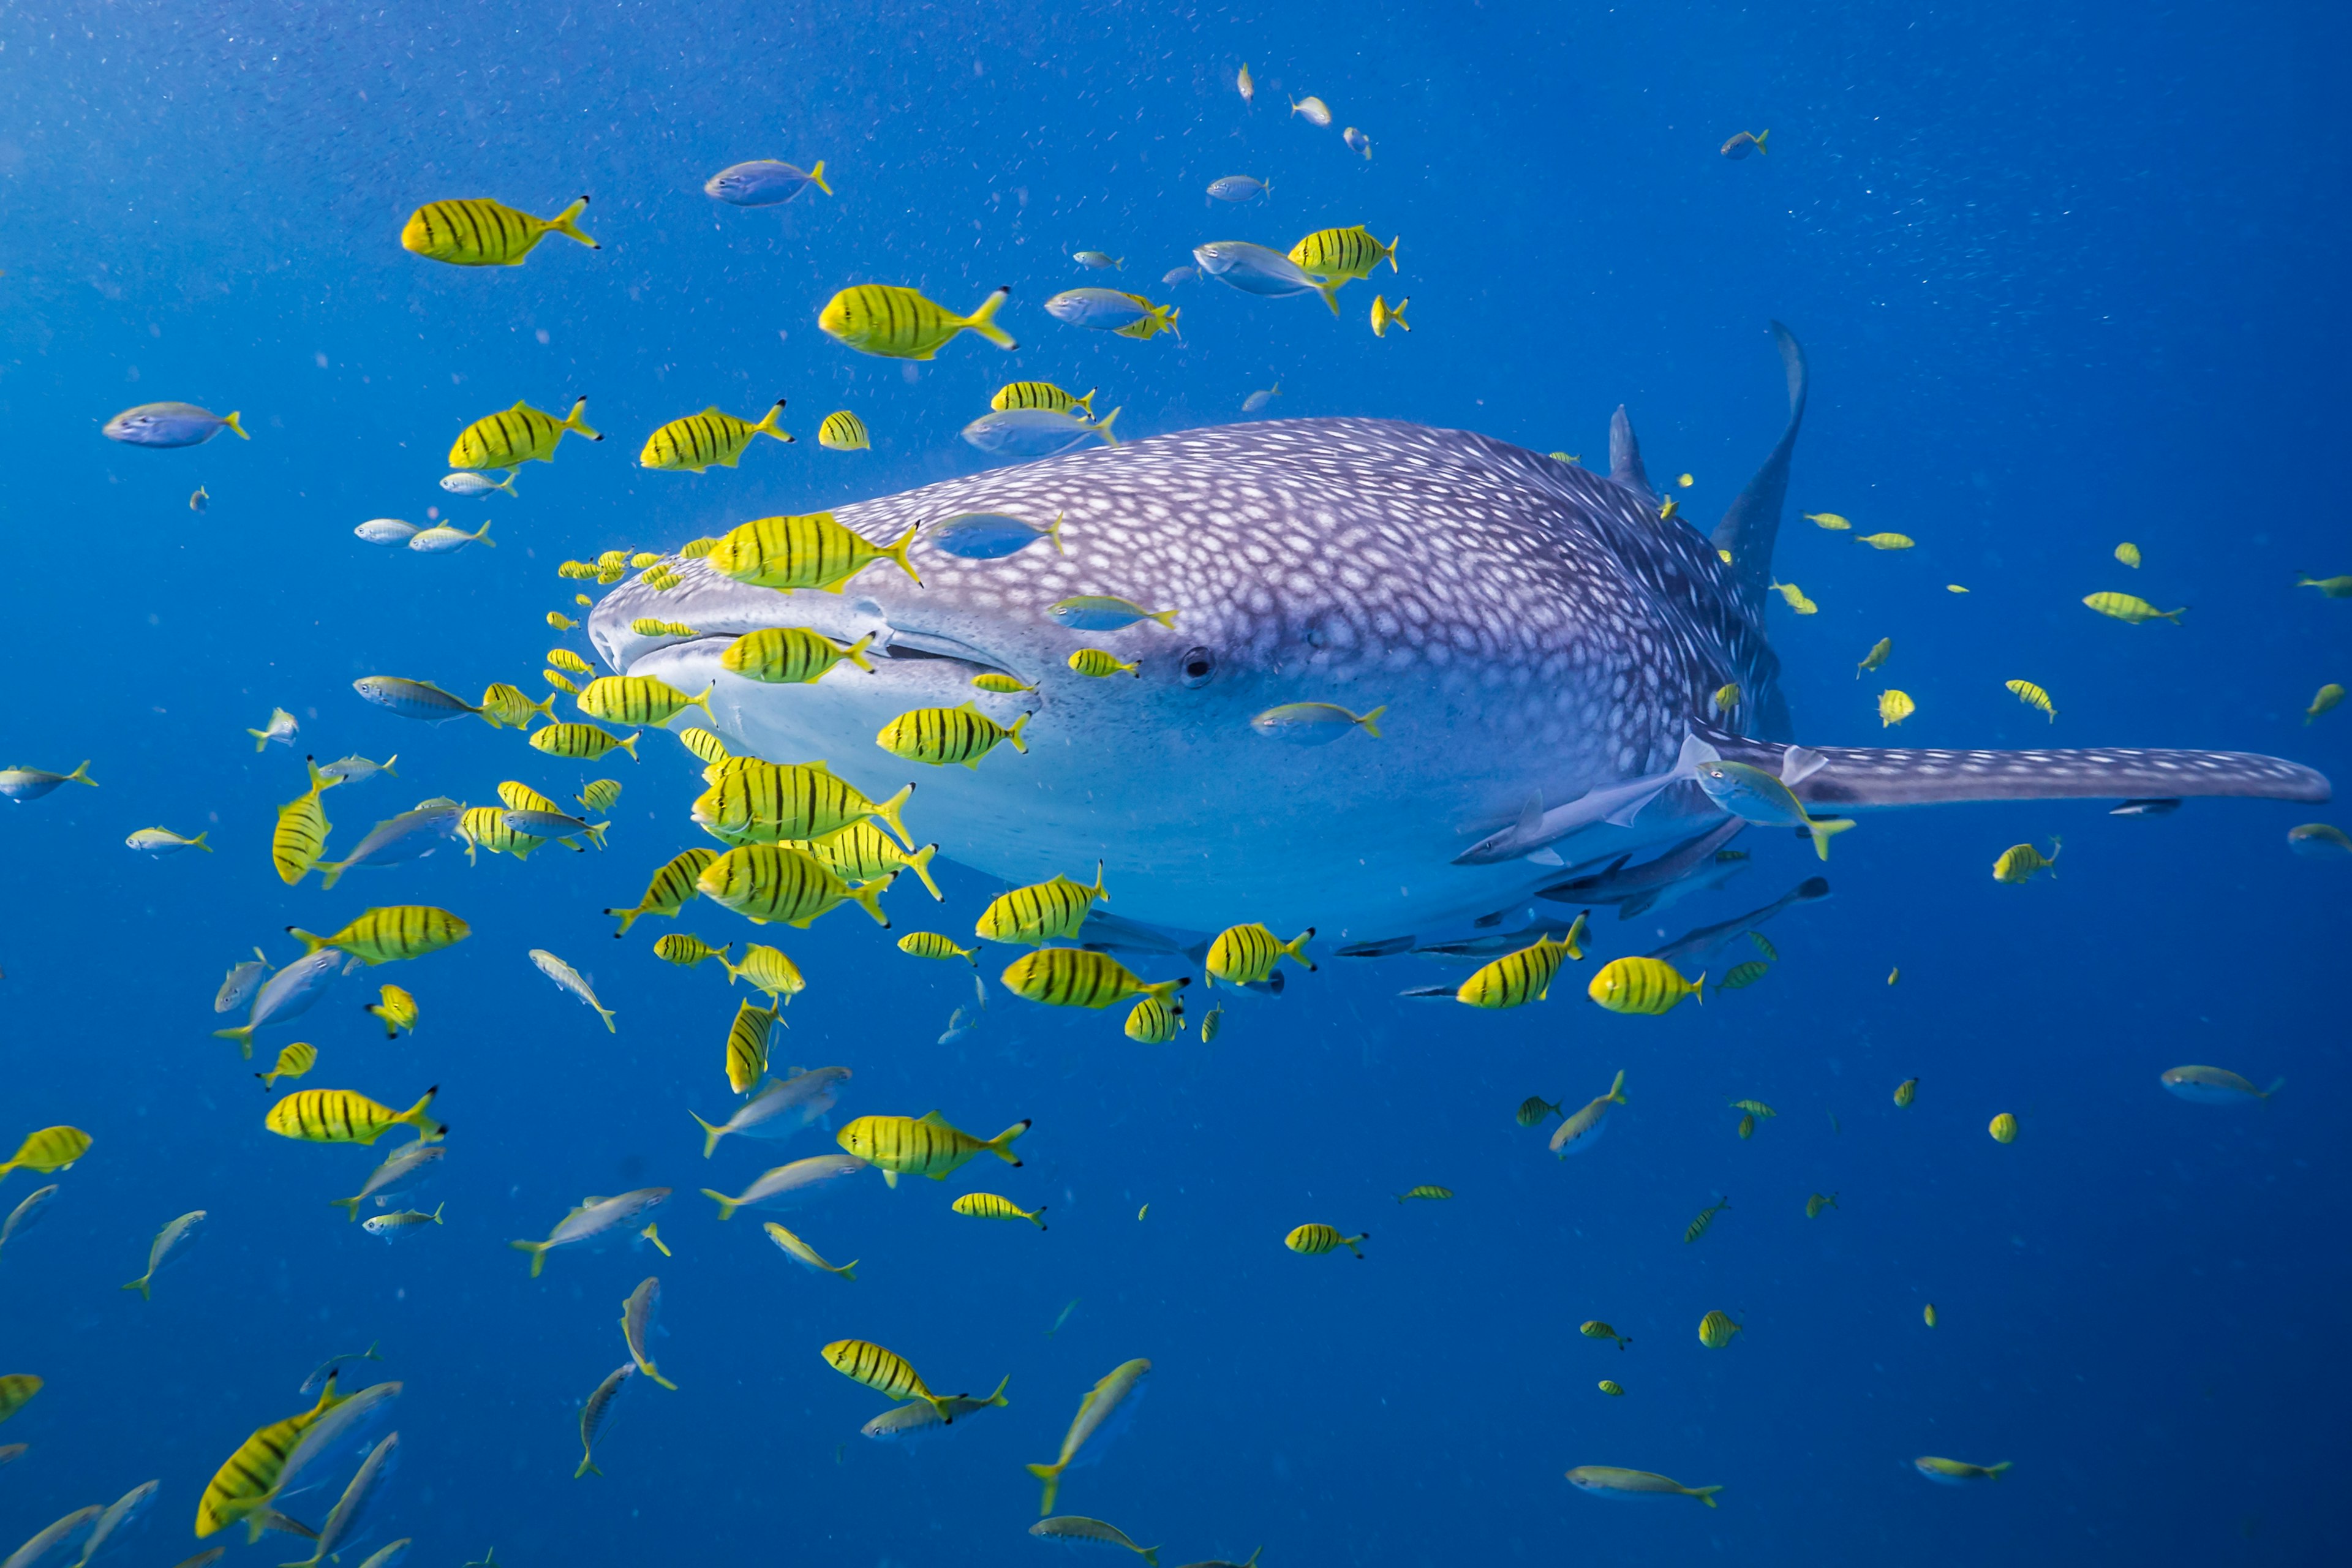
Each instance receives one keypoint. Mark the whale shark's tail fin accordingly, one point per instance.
(1625, 455)
(1860, 778)
(1750, 524)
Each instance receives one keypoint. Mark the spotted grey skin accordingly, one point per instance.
(1532, 629)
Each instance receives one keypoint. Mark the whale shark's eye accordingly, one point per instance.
(1198, 665)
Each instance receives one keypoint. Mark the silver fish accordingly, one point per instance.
(385, 1556)
(2215, 1085)
(170, 424)
(764, 183)
(326, 1369)
(345, 1520)
(961, 1022)
(551, 825)
(1313, 110)
(989, 536)
(386, 530)
(121, 1516)
(564, 975)
(1742, 143)
(411, 836)
(27, 1215)
(593, 1218)
(162, 841)
(1255, 269)
(918, 1419)
(413, 698)
(22, 784)
(1102, 310)
(1237, 188)
(778, 1109)
(243, 979)
(287, 995)
(1115, 1389)
(637, 1315)
(794, 1181)
(1533, 627)
(403, 1170)
(1582, 1129)
(1097, 261)
(1036, 432)
(176, 1237)
(50, 1547)
(1357, 142)
(356, 769)
(392, 1227)
(1176, 277)
(596, 1414)
(1261, 397)
(467, 482)
(281, 729)
(339, 1430)
(444, 539)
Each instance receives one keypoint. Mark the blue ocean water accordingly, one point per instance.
(2068, 276)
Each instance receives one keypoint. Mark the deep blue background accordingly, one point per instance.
(2069, 275)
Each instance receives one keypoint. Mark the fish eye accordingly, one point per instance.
(1198, 665)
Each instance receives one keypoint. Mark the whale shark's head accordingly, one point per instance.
(1455, 580)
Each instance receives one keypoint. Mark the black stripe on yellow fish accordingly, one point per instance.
(672, 885)
(1042, 912)
(1076, 977)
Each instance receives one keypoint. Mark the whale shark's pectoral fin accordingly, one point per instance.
(1753, 520)
(1856, 778)
(1625, 455)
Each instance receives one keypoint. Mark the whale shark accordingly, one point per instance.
(1544, 649)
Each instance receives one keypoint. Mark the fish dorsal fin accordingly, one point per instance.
(933, 1118)
(1625, 454)
(591, 1202)
(1531, 814)
(1696, 749)
(1798, 765)
(1547, 855)
(1753, 520)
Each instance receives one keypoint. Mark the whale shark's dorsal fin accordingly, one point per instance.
(1625, 455)
(1753, 520)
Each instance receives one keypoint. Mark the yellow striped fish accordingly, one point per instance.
(397, 1010)
(1597, 1330)
(1316, 1239)
(247, 1482)
(1098, 662)
(293, 1061)
(1517, 978)
(1714, 1330)
(1073, 977)
(1041, 912)
(944, 736)
(1707, 1217)
(1880, 651)
(767, 968)
(672, 885)
(1426, 1190)
(2003, 1128)
(765, 882)
(1245, 954)
(1153, 1022)
(997, 680)
(474, 231)
(844, 432)
(787, 656)
(560, 681)
(1884, 541)
(746, 1045)
(639, 700)
(509, 707)
(884, 1371)
(1041, 395)
(2020, 861)
(301, 836)
(16, 1390)
(1648, 985)
(921, 1145)
(2131, 609)
(685, 950)
(485, 828)
(699, 440)
(2032, 695)
(862, 851)
(706, 747)
(808, 549)
(759, 802)
(343, 1116)
(581, 742)
(1893, 707)
(931, 944)
(395, 931)
(807, 1256)
(50, 1149)
(988, 1205)
(598, 794)
(894, 323)
(1905, 1093)
(1343, 253)
(565, 658)
(519, 434)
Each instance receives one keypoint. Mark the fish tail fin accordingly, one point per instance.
(998, 1397)
(261, 738)
(351, 1205)
(311, 943)
(769, 425)
(888, 811)
(1574, 940)
(242, 1035)
(1001, 1144)
(482, 534)
(1088, 401)
(198, 841)
(606, 1014)
(869, 898)
(897, 553)
(573, 421)
(1052, 1475)
(1102, 428)
(567, 224)
(628, 919)
(1013, 734)
(702, 700)
(1150, 1554)
(1759, 140)
(507, 485)
(1616, 1090)
(587, 1468)
(1295, 947)
(429, 1131)
(2276, 1084)
(81, 775)
(710, 1137)
(854, 653)
(233, 423)
(1166, 990)
(1040, 1225)
(538, 1250)
(141, 1285)
(1705, 1494)
(1392, 253)
(1330, 293)
(727, 1205)
(2172, 615)
(1351, 1241)
(1699, 988)
(1824, 829)
(816, 177)
(983, 320)
(1054, 532)
(1098, 889)
(1992, 1472)
(1370, 721)
(919, 863)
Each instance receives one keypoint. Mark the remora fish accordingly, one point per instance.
(1534, 628)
